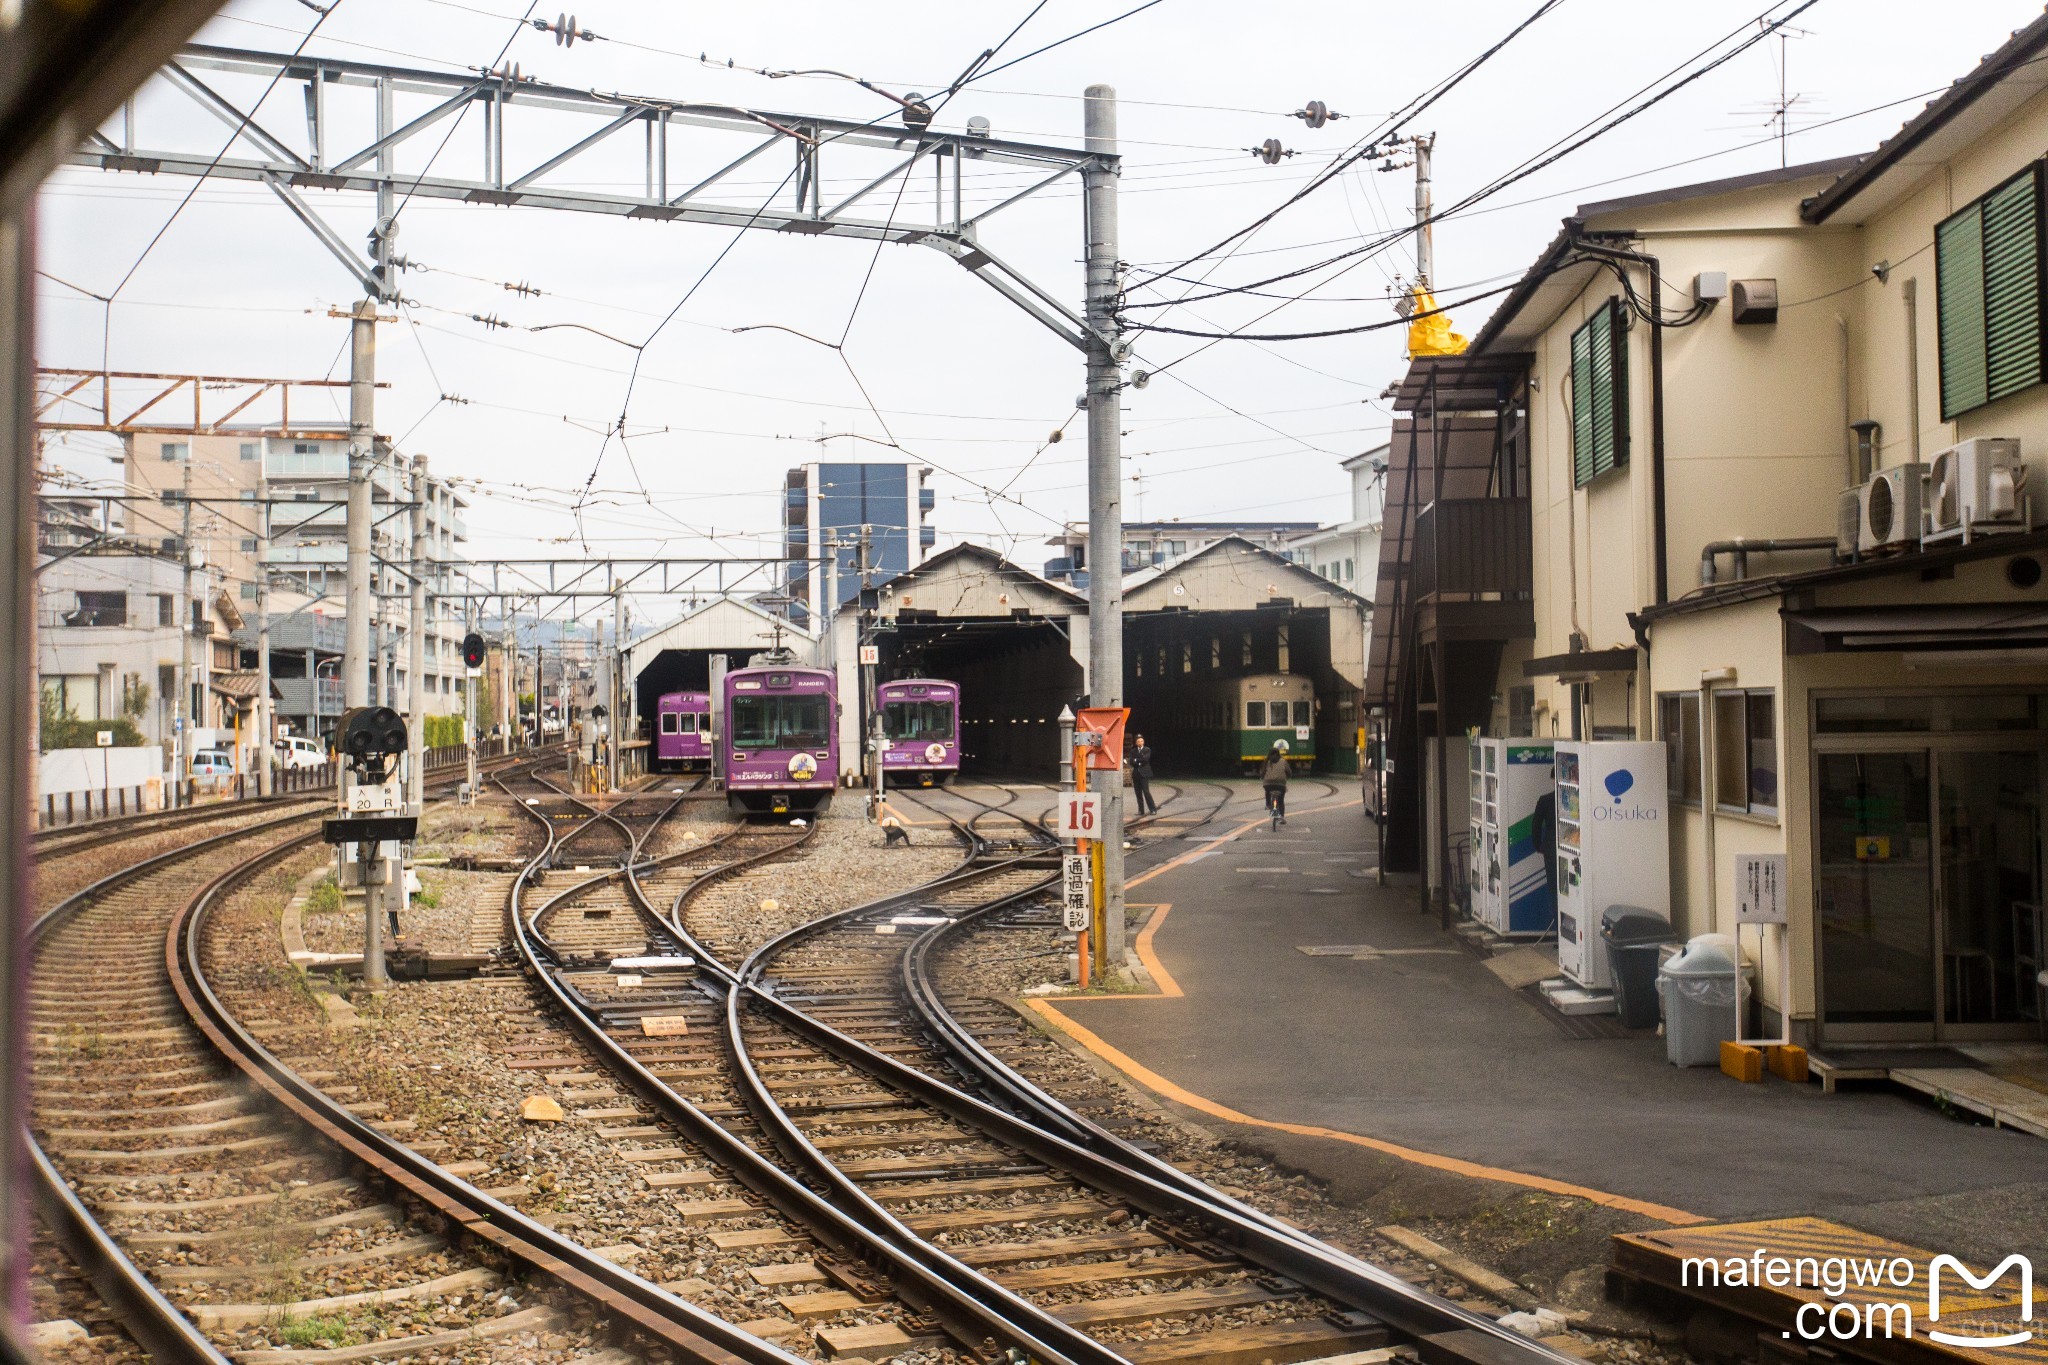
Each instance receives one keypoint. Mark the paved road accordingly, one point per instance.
(1424, 1047)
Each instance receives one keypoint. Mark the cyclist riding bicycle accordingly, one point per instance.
(1273, 777)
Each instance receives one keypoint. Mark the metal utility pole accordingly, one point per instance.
(266, 717)
(1425, 251)
(416, 638)
(1105, 350)
(186, 719)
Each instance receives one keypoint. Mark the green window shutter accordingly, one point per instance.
(1599, 395)
(1988, 276)
(1959, 285)
(2012, 287)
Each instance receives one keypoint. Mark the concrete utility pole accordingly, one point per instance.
(182, 756)
(1105, 488)
(469, 623)
(615, 683)
(266, 717)
(870, 674)
(357, 663)
(416, 637)
(1425, 250)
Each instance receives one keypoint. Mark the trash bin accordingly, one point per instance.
(1633, 936)
(1699, 993)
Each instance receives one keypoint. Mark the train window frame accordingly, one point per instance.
(1255, 719)
(671, 722)
(1304, 714)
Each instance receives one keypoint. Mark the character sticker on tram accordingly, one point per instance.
(803, 767)
(935, 753)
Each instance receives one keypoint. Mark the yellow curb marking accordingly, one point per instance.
(1152, 1080)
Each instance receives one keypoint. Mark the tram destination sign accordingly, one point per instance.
(1074, 893)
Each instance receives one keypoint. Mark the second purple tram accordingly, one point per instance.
(682, 732)
(784, 752)
(920, 731)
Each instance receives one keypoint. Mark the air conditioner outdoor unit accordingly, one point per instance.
(1891, 505)
(1977, 488)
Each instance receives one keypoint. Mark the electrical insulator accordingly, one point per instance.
(916, 113)
(1315, 114)
(1270, 151)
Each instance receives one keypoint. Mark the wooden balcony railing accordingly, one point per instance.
(1472, 547)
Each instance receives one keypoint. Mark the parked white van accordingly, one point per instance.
(295, 752)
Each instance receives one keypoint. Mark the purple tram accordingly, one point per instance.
(682, 732)
(783, 752)
(920, 731)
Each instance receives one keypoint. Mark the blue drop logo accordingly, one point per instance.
(1618, 783)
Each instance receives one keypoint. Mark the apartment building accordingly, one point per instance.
(1347, 552)
(828, 503)
(307, 484)
(1155, 544)
(1755, 468)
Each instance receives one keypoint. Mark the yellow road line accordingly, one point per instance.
(1152, 1080)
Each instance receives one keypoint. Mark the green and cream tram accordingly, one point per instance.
(1235, 722)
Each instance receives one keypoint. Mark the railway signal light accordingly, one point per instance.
(473, 650)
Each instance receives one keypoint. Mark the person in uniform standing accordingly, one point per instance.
(1141, 776)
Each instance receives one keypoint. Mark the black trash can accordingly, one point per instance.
(1633, 935)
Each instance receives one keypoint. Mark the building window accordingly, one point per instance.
(166, 615)
(176, 450)
(1245, 641)
(1215, 653)
(1678, 721)
(1599, 395)
(248, 545)
(1987, 270)
(249, 450)
(1347, 571)
(1746, 751)
(248, 592)
(100, 609)
(1522, 712)
(1187, 658)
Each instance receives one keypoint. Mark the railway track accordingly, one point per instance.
(863, 1083)
(210, 1192)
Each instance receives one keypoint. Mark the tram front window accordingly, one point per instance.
(779, 723)
(918, 722)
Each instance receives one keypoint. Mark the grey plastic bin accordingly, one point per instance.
(1633, 937)
(1698, 986)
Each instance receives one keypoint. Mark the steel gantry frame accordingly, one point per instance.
(310, 157)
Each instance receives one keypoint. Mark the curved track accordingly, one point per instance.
(205, 1187)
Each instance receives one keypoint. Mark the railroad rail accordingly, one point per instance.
(959, 1166)
(241, 1121)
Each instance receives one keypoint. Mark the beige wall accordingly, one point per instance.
(1757, 447)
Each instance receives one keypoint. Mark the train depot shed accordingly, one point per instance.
(1015, 642)
(677, 658)
(1227, 614)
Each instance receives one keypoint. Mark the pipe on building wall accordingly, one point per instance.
(1709, 798)
(1740, 548)
(1909, 294)
(1661, 561)
(1848, 408)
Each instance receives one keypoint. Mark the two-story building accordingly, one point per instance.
(1771, 454)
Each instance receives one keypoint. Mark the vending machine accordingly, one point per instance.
(1475, 849)
(1515, 845)
(1613, 846)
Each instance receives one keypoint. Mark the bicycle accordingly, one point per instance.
(1276, 806)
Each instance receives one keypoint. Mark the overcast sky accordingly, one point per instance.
(962, 379)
